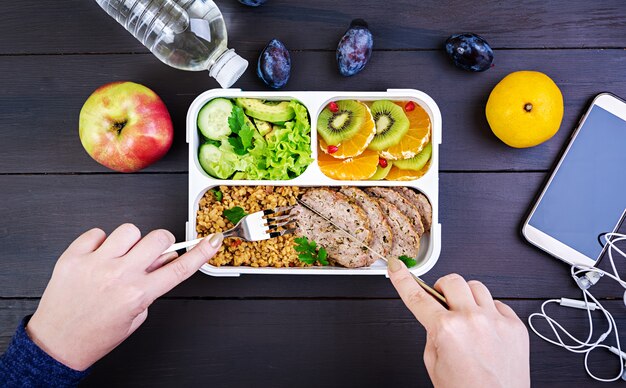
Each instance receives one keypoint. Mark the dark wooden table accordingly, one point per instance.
(286, 331)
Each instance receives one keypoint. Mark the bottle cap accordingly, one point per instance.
(228, 68)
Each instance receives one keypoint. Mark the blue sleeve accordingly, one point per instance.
(24, 364)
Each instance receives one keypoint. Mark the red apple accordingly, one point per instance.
(125, 126)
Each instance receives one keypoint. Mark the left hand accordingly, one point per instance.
(101, 288)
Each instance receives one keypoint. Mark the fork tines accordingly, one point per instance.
(280, 223)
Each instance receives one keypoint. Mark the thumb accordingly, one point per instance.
(179, 270)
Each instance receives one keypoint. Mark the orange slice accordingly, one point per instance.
(356, 144)
(398, 174)
(358, 168)
(415, 139)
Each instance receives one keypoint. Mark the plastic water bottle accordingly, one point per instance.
(185, 34)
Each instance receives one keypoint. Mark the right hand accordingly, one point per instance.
(478, 342)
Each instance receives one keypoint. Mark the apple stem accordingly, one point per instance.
(119, 126)
(528, 107)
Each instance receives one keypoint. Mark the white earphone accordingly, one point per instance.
(585, 277)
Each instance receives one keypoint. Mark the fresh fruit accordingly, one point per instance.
(409, 106)
(331, 149)
(274, 65)
(382, 162)
(125, 126)
(418, 161)
(356, 144)
(360, 167)
(333, 107)
(525, 109)
(213, 119)
(354, 48)
(335, 127)
(398, 174)
(253, 3)
(416, 137)
(267, 111)
(469, 52)
(381, 172)
(391, 124)
(263, 126)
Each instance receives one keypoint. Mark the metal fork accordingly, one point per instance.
(258, 226)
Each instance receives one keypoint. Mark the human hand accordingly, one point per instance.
(478, 342)
(101, 288)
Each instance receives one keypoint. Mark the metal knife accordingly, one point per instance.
(419, 281)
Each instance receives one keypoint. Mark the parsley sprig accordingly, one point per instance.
(309, 252)
(408, 261)
(241, 136)
(217, 193)
(235, 214)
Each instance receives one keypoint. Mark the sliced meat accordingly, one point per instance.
(347, 215)
(406, 240)
(403, 204)
(381, 232)
(341, 248)
(422, 204)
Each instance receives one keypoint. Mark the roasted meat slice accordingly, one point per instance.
(422, 204)
(406, 240)
(381, 232)
(399, 201)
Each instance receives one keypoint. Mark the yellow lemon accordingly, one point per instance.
(525, 109)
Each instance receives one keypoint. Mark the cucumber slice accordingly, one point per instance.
(213, 119)
(216, 161)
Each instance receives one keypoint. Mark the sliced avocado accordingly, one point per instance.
(263, 126)
(259, 110)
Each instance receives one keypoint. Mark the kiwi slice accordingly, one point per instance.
(381, 173)
(391, 124)
(418, 161)
(335, 127)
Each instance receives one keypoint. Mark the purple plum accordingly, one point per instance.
(469, 52)
(274, 66)
(354, 48)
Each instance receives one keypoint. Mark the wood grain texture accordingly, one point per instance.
(40, 104)
(82, 27)
(480, 216)
(310, 343)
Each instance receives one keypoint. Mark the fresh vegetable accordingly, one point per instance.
(235, 214)
(469, 52)
(265, 140)
(354, 48)
(218, 194)
(408, 261)
(274, 64)
(309, 252)
(213, 119)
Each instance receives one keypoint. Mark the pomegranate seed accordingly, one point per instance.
(332, 149)
(333, 107)
(409, 106)
(382, 162)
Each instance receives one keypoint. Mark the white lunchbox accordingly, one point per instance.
(200, 182)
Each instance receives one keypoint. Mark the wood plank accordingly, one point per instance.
(82, 27)
(286, 343)
(480, 214)
(39, 109)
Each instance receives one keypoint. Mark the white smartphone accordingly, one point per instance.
(586, 194)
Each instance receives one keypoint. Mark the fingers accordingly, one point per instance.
(481, 293)
(457, 292)
(86, 242)
(149, 248)
(505, 310)
(120, 241)
(161, 261)
(169, 276)
(425, 308)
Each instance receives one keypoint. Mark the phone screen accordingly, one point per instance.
(587, 195)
